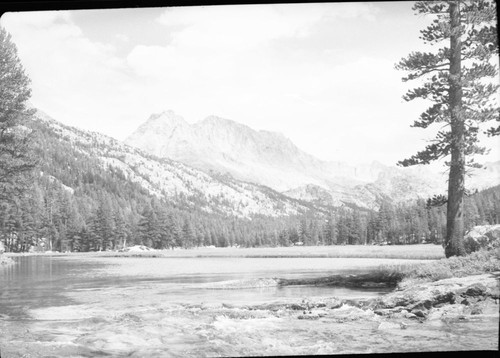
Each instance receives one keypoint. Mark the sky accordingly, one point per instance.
(321, 74)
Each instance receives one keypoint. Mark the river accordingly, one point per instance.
(86, 306)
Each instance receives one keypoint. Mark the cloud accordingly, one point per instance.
(353, 10)
(70, 74)
(236, 27)
(122, 37)
(34, 19)
(244, 27)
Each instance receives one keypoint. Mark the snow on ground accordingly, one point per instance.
(136, 248)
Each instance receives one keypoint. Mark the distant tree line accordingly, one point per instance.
(104, 213)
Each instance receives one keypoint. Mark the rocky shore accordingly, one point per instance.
(448, 299)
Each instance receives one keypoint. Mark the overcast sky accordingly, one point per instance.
(321, 74)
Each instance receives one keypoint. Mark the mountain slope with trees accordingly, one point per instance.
(93, 193)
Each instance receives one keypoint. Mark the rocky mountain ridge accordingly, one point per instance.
(172, 180)
(271, 159)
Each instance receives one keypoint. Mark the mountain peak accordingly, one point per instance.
(213, 120)
(163, 122)
(166, 116)
(277, 135)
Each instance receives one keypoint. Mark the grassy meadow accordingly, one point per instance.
(409, 252)
(476, 263)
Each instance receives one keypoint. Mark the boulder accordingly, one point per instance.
(484, 236)
(297, 307)
(314, 314)
(334, 303)
(410, 315)
(419, 313)
(475, 310)
(389, 325)
(476, 289)
(420, 298)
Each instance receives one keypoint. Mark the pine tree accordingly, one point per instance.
(106, 224)
(343, 227)
(122, 231)
(15, 158)
(304, 233)
(144, 227)
(330, 230)
(188, 234)
(456, 81)
(94, 238)
(284, 238)
(165, 227)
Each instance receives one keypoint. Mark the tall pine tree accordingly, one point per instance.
(457, 80)
(15, 158)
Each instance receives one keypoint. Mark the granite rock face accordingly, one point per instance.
(484, 236)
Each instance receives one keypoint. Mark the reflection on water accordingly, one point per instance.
(84, 306)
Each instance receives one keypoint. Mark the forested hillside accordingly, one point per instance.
(92, 193)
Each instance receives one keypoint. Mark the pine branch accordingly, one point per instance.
(435, 90)
(436, 201)
(431, 153)
(493, 131)
(433, 114)
(422, 63)
(430, 7)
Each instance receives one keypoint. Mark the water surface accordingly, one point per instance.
(85, 306)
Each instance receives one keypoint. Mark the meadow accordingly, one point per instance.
(409, 252)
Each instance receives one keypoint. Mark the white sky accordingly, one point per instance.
(322, 74)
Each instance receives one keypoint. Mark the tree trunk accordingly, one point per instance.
(454, 245)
